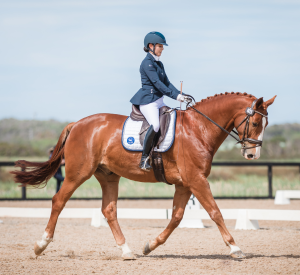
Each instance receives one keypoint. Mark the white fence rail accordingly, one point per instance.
(284, 196)
(245, 218)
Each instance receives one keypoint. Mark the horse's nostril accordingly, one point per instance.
(250, 156)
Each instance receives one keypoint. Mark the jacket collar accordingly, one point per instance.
(149, 55)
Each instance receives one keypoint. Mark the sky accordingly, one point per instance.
(66, 60)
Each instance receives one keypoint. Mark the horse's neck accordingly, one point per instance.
(221, 110)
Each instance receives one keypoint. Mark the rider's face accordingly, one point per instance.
(158, 48)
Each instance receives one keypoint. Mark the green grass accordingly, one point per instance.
(91, 189)
(224, 181)
(243, 185)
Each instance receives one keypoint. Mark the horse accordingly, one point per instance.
(92, 146)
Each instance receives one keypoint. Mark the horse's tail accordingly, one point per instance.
(41, 172)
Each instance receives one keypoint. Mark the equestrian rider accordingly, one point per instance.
(155, 84)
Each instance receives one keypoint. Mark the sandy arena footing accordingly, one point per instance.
(79, 248)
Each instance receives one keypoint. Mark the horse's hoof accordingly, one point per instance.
(38, 250)
(128, 256)
(147, 249)
(238, 254)
(40, 246)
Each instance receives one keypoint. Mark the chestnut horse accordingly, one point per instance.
(92, 146)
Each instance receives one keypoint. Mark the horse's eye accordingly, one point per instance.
(254, 124)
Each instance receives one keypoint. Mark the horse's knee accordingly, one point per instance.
(110, 212)
(177, 218)
(215, 215)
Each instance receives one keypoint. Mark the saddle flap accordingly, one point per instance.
(164, 121)
(136, 114)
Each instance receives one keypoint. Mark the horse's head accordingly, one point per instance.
(251, 128)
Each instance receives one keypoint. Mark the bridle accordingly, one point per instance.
(250, 112)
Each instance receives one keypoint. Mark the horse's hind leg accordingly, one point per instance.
(72, 181)
(180, 200)
(110, 186)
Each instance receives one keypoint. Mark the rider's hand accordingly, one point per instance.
(184, 98)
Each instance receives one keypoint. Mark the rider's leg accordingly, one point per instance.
(180, 200)
(151, 113)
(110, 185)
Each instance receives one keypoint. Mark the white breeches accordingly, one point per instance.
(151, 112)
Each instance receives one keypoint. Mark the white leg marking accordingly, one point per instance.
(40, 246)
(235, 251)
(125, 248)
(45, 240)
(126, 252)
(233, 248)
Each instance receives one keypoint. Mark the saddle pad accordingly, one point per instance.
(131, 137)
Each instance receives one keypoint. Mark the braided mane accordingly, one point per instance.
(225, 94)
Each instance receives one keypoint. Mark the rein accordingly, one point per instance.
(249, 112)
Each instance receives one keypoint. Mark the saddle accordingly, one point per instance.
(156, 157)
(164, 121)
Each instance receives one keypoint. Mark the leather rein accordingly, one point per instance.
(250, 112)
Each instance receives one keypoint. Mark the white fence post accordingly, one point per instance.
(98, 218)
(243, 222)
(284, 196)
(280, 198)
(192, 204)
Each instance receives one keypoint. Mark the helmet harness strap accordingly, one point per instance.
(154, 44)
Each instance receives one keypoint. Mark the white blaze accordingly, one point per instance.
(260, 137)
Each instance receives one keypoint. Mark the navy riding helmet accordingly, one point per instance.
(154, 38)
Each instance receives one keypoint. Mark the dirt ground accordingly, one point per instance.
(79, 248)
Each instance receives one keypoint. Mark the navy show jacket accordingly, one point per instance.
(155, 83)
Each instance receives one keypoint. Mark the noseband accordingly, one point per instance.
(250, 112)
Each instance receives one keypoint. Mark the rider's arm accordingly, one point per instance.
(159, 85)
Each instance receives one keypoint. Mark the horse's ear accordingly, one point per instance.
(269, 102)
(258, 103)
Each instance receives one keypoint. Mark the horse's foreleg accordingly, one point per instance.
(203, 193)
(180, 200)
(110, 186)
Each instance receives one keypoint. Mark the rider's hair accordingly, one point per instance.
(146, 50)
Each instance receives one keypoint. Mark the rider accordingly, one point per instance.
(155, 84)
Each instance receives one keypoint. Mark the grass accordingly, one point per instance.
(224, 181)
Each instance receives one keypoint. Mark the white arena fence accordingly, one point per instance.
(284, 196)
(245, 218)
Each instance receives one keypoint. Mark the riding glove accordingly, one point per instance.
(184, 98)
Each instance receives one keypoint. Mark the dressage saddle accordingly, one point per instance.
(164, 121)
(156, 157)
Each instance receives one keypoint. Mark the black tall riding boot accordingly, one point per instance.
(145, 162)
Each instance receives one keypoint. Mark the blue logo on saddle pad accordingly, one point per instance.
(130, 140)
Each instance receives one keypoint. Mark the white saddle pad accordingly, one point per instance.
(131, 137)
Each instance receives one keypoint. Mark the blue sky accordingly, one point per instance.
(70, 59)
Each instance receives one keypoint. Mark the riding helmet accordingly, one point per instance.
(154, 38)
